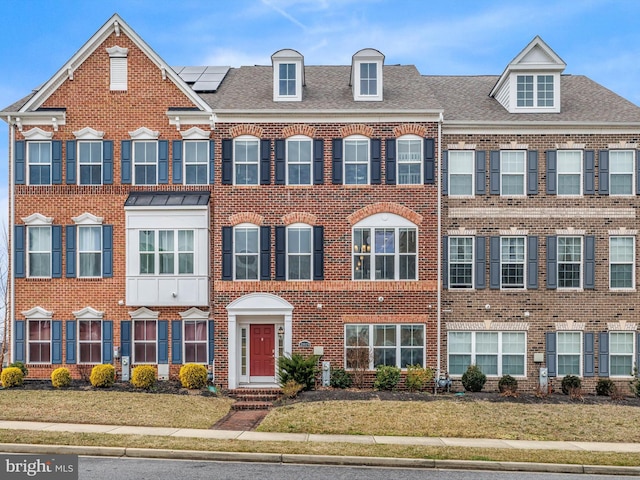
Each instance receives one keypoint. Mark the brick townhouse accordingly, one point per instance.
(227, 216)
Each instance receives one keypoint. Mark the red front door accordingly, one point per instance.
(262, 354)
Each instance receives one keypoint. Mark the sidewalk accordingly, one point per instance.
(306, 437)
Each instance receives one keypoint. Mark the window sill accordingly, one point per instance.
(38, 279)
(622, 290)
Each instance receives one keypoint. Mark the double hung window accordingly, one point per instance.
(39, 158)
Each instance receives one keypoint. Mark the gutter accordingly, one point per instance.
(11, 280)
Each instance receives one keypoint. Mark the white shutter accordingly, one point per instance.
(118, 73)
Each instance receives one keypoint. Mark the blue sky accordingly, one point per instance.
(597, 38)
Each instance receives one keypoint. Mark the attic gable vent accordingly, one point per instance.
(118, 70)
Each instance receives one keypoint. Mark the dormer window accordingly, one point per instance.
(366, 75)
(535, 91)
(288, 76)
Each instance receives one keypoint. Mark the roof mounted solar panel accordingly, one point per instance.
(202, 78)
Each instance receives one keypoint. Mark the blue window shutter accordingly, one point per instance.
(107, 341)
(70, 151)
(532, 262)
(589, 357)
(107, 251)
(281, 162)
(211, 341)
(429, 161)
(56, 251)
(552, 170)
(281, 252)
(265, 253)
(445, 261)
(603, 354)
(589, 262)
(551, 353)
(19, 162)
(336, 161)
(125, 338)
(125, 159)
(318, 252)
(176, 163)
(227, 161)
(163, 161)
(70, 234)
(176, 342)
(494, 174)
(445, 172)
(390, 161)
(318, 161)
(56, 162)
(265, 162)
(638, 352)
(376, 162)
(494, 263)
(107, 162)
(212, 162)
(589, 172)
(603, 172)
(70, 330)
(18, 341)
(56, 342)
(163, 341)
(227, 253)
(481, 172)
(532, 172)
(638, 179)
(552, 262)
(19, 239)
(481, 263)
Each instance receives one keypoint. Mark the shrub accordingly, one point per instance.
(387, 377)
(473, 379)
(11, 377)
(340, 378)
(103, 376)
(291, 389)
(604, 387)
(21, 366)
(635, 383)
(417, 377)
(144, 376)
(298, 368)
(60, 378)
(193, 376)
(570, 384)
(507, 384)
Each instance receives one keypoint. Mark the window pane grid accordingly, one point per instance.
(409, 161)
(569, 347)
(39, 341)
(299, 253)
(145, 159)
(621, 353)
(39, 248)
(461, 170)
(356, 162)
(39, 163)
(569, 262)
(545, 90)
(195, 341)
(569, 170)
(246, 162)
(196, 162)
(525, 90)
(512, 171)
(394, 254)
(495, 353)
(461, 262)
(90, 163)
(368, 79)
(621, 258)
(144, 340)
(287, 79)
(90, 341)
(394, 345)
(512, 261)
(90, 251)
(299, 162)
(246, 253)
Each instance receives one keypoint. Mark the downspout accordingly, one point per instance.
(10, 233)
(439, 249)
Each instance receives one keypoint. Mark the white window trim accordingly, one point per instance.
(246, 226)
(246, 138)
(535, 108)
(473, 263)
(524, 175)
(633, 353)
(88, 314)
(580, 354)
(499, 353)
(581, 263)
(184, 162)
(367, 55)
(575, 195)
(205, 341)
(310, 229)
(118, 68)
(88, 133)
(38, 314)
(409, 137)
(143, 313)
(473, 175)
(633, 264)
(134, 163)
(299, 138)
(367, 163)
(29, 164)
(633, 174)
(80, 163)
(524, 265)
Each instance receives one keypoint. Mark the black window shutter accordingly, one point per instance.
(56, 162)
(163, 161)
(589, 172)
(552, 170)
(176, 166)
(532, 262)
(107, 341)
(376, 162)
(603, 354)
(589, 360)
(532, 172)
(70, 152)
(227, 253)
(481, 263)
(552, 262)
(227, 161)
(265, 162)
(429, 161)
(212, 162)
(494, 263)
(445, 172)
(19, 162)
(107, 162)
(281, 252)
(265, 253)
(481, 172)
(551, 353)
(125, 159)
(70, 329)
(56, 251)
(281, 165)
(318, 161)
(19, 250)
(589, 262)
(390, 167)
(336, 161)
(70, 239)
(445, 261)
(494, 175)
(176, 342)
(638, 173)
(318, 252)
(603, 172)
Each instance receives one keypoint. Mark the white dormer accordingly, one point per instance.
(288, 75)
(531, 82)
(366, 75)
